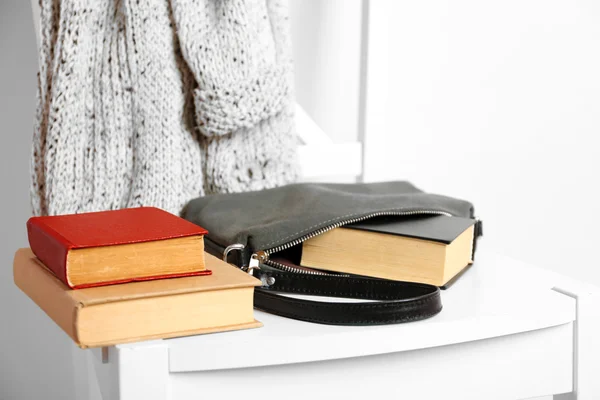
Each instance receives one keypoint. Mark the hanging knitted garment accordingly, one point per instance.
(156, 102)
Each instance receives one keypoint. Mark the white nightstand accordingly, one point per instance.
(507, 331)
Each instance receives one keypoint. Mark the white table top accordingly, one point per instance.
(498, 296)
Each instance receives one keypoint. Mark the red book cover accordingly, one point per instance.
(52, 237)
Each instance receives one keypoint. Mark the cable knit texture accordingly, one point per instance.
(156, 102)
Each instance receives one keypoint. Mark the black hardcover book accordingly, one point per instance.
(426, 249)
(437, 228)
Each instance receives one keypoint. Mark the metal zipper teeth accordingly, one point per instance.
(294, 270)
(333, 226)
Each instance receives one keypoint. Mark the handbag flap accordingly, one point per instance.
(262, 220)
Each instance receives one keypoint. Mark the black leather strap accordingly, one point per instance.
(394, 301)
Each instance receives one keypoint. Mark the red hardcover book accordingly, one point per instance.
(108, 247)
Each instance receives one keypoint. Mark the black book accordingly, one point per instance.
(437, 228)
(426, 249)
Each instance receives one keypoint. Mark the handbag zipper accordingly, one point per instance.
(263, 255)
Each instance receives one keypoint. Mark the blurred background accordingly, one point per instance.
(494, 102)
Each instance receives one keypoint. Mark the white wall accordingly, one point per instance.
(496, 102)
(35, 355)
(499, 103)
(326, 39)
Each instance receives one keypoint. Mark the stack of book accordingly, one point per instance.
(129, 275)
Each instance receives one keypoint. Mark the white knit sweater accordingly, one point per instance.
(155, 102)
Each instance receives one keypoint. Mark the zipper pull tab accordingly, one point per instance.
(253, 264)
(255, 260)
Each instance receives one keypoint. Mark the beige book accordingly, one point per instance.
(131, 312)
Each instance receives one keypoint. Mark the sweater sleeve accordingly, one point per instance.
(240, 55)
(112, 127)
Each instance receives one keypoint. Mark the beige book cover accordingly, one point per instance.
(130, 312)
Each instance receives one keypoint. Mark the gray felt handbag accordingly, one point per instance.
(262, 232)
